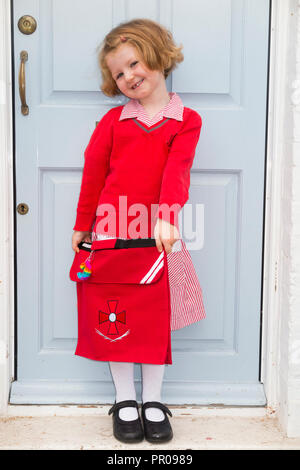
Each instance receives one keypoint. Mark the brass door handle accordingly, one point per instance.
(22, 84)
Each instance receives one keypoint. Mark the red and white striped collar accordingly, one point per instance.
(174, 109)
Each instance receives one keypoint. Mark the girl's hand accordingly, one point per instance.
(165, 235)
(78, 237)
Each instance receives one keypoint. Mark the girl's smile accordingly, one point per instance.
(138, 84)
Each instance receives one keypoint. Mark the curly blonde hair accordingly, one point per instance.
(154, 45)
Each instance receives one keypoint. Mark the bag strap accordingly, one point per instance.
(135, 243)
(123, 243)
(85, 246)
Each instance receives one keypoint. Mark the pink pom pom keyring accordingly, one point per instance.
(86, 268)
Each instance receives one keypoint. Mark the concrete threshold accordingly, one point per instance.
(88, 427)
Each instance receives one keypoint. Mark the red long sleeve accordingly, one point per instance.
(176, 176)
(96, 165)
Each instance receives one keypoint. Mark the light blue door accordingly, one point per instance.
(224, 78)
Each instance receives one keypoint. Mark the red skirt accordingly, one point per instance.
(124, 311)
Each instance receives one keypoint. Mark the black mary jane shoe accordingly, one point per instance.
(126, 431)
(157, 431)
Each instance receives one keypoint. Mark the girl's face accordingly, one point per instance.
(128, 71)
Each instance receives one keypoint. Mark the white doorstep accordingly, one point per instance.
(90, 427)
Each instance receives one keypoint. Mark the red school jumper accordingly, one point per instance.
(149, 164)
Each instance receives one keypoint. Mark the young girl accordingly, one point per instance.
(143, 150)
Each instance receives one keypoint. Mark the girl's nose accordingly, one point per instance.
(129, 76)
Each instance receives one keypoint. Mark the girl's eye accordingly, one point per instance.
(133, 63)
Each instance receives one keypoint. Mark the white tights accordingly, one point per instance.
(123, 378)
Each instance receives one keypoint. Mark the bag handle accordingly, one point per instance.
(117, 243)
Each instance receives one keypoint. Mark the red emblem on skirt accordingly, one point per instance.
(110, 320)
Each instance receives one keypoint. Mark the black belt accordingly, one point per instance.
(121, 243)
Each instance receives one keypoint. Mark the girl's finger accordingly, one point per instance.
(167, 247)
(158, 244)
(74, 246)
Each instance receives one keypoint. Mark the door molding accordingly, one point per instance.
(275, 160)
(280, 331)
(275, 164)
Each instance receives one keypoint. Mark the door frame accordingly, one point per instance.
(280, 12)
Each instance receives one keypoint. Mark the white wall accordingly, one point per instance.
(289, 260)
